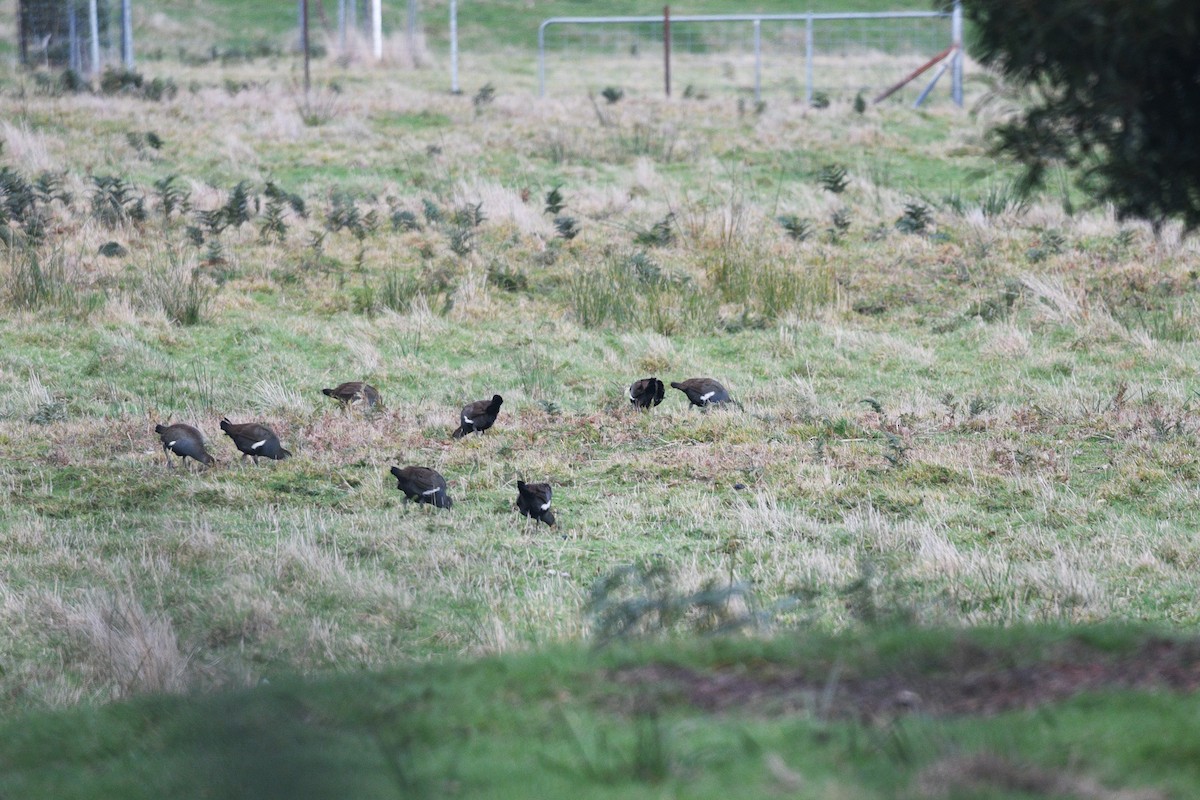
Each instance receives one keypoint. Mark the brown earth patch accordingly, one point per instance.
(975, 683)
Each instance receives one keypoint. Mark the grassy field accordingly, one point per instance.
(956, 405)
(863, 716)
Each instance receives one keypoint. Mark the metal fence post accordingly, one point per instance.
(127, 32)
(454, 47)
(73, 36)
(94, 31)
(341, 23)
(808, 59)
(542, 58)
(758, 60)
(956, 35)
(412, 31)
(377, 29)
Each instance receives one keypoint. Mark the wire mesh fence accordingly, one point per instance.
(810, 57)
(815, 58)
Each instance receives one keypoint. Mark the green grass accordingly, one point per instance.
(987, 423)
(575, 721)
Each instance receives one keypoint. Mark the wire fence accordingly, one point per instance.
(814, 57)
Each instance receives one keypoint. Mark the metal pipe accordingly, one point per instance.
(342, 26)
(956, 38)
(94, 30)
(808, 59)
(73, 57)
(454, 47)
(758, 60)
(925, 92)
(127, 32)
(751, 17)
(913, 75)
(412, 31)
(542, 58)
(377, 28)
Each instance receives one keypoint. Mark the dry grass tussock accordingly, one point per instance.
(127, 649)
(505, 206)
(31, 149)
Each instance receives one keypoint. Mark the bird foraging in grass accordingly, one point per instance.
(533, 500)
(422, 484)
(255, 440)
(183, 440)
(477, 417)
(352, 392)
(702, 391)
(645, 393)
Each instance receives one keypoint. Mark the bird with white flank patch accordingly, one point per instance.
(183, 440)
(422, 484)
(645, 393)
(533, 501)
(702, 391)
(477, 417)
(255, 440)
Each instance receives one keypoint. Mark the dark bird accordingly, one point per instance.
(183, 440)
(478, 416)
(422, 484)
(352, 392)
(645, 393)
(702, 391)
(533, 500)
(255, 440)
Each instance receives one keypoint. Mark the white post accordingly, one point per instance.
(127, 32)
(94, 30)
(956, 35)
(454, 47)
(808, 60)
(342, 26)
(412, 31)
(758, 60)
(542, 58)
(73, 34)
(377, 28)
